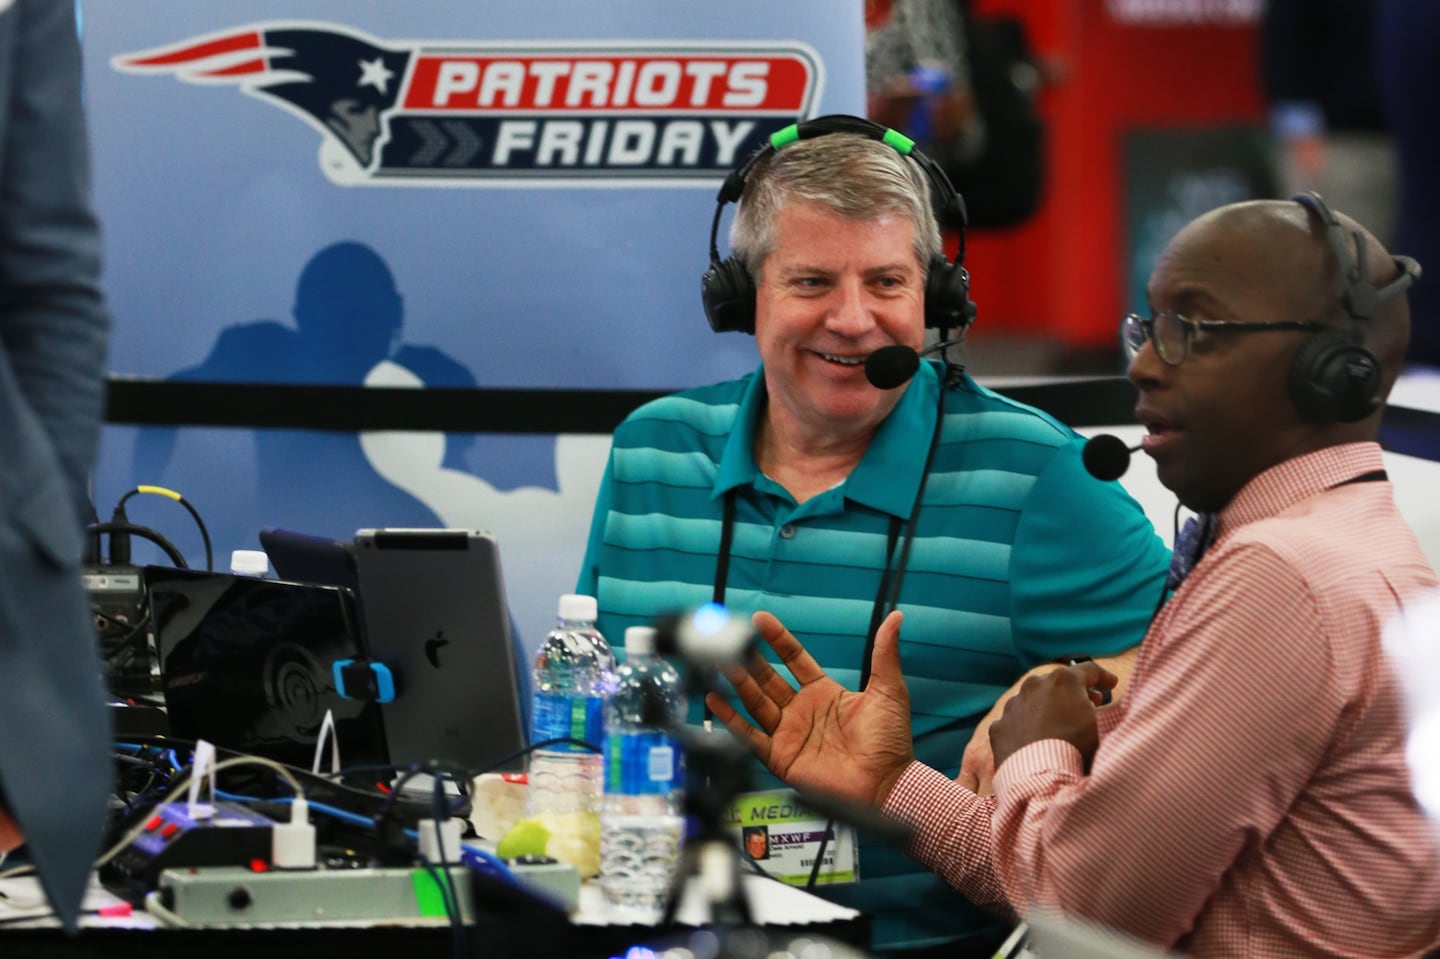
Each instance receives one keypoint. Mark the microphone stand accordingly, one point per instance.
(722, 768)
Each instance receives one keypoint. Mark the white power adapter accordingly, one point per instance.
(292, 844)
(445, 847)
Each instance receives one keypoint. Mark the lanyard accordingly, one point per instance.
(887, 595)
(877, 609)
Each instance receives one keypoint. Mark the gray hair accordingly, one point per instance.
(854, 175)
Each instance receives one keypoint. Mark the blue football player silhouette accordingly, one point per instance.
(348, 319)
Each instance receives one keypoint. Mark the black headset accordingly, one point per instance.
(728, 290)
(1333, 377)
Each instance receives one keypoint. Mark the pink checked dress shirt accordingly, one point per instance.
(1250, 795)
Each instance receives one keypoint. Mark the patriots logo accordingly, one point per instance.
(340, 81)
(448, 113)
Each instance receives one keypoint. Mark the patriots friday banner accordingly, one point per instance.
(407, 112)
(571, 153)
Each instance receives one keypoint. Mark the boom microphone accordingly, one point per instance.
(1107, 457)
(891, 366)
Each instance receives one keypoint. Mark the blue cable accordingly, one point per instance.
(345, 814)
(478, 859)
(483, 861)
(472, 856)
(327, 809)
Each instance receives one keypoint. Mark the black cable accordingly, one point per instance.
(462, 781)
(171, 494)
(435, 768)
(320, 787)
(447, 892)
(398, 767)
(413, 768)
(143, 792)
(819, 855)
(439, 812)
(126, 759)
(558, 740)
(112, 649)
(457, 929)
(119, 538)
(152, 758)
(144, 532)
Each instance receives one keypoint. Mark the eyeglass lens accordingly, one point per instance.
(1164, 329)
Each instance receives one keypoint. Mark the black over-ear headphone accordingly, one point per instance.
(728, 290)
(1333, 377)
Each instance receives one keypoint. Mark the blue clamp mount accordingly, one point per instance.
(364, 679)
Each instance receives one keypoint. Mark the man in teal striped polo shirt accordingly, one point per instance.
(805, 491)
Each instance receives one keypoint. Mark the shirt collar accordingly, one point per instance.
(888, 476)
(1285, 484)
(737, 463)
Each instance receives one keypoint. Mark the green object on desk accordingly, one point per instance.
(429, 897)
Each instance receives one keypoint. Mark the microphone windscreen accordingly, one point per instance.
(890, 366)
(1106, 457)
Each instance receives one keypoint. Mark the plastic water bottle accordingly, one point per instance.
(641, 826)
(574, 675)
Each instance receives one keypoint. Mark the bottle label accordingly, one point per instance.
(558, 716)
(643, 763)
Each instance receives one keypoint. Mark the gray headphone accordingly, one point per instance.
(1333, 377)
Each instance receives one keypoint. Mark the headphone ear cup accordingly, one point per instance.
(728, 293)
(947, 296)
(1334, 379)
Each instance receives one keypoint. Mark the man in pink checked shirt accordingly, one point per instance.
(1249, 795)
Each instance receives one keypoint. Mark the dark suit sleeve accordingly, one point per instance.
(52, 322)
(54, 765)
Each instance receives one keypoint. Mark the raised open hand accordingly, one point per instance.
(823, 736)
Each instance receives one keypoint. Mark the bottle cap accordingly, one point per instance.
(640, 641)
(582, 608)
(249, 562)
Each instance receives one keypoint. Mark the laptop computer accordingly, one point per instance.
(246, 664)
(435, 613)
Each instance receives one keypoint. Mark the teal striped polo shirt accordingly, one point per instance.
(1019, 556)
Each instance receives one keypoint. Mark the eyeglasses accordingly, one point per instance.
(1171, 333)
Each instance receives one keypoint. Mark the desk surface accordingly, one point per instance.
(594, 930)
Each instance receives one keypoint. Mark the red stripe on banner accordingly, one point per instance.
(239, 69)
(610, 83)
(199, 51)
